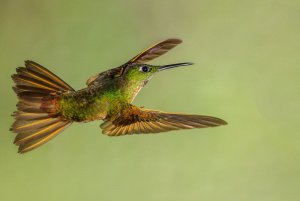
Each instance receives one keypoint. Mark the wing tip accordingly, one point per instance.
(221, 122)
(27, 61)
(174, 40)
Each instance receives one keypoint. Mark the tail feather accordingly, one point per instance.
(27, 116)
(41, 137)
(41, 70)
(22, 106)
(37, 119)
(22, 90)
(31, 125)
(20, 79)
(32, 75)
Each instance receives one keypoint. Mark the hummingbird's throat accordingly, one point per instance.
(134, 88)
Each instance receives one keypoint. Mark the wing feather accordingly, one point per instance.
(135, 120)
(155, 50)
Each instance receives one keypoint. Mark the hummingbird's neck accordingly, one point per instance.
(132, 88)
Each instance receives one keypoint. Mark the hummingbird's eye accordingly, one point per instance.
(145, 69)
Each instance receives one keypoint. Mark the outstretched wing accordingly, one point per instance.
(135, 120)
(155, 50)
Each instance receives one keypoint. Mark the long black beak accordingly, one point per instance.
(174, 65)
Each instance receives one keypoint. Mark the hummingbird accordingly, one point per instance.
(47, 105)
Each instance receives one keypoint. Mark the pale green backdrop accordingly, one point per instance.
(247, 71)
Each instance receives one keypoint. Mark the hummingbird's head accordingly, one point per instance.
(136, 76)
(137, 72)
(143, 72)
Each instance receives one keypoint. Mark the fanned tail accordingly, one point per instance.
(37, 119)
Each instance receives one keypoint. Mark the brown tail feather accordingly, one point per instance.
(30, 140)
(29, 116)
(37, 119)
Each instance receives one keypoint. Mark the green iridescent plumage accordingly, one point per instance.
(47, 104)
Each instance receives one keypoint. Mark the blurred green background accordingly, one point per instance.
(246, 71)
